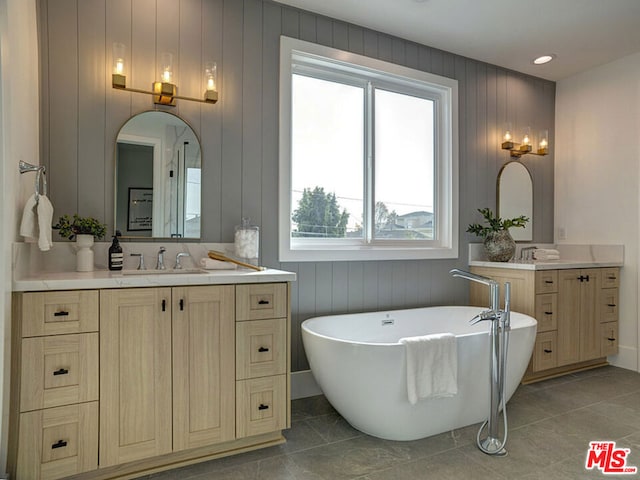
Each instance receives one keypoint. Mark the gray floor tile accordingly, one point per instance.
(550, 426)
(449, 465)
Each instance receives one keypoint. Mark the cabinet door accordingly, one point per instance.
(589, 318)
(135, 374)
(203, 366)
(569, 299)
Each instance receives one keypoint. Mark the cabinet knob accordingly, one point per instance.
(611, 277)
(611, 339)
(546, 350)
(61, 313)
(164, 305)
(61, 371)
(59, 444)
(181, 304)
(263, 302)
(548, 313)
(548, 281)
(611, 304)
(263, 407)
(263, 349)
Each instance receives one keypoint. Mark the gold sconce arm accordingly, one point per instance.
(163, 93)
(525, 148)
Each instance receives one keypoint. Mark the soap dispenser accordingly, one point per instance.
(116, 257)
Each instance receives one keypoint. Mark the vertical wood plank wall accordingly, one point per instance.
(81, 116)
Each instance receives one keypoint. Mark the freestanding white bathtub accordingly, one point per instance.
(360, 366)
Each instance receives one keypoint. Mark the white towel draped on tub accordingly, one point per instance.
(432, 366)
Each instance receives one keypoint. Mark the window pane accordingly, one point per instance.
(327, 148)
(404, 167)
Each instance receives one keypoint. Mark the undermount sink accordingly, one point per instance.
(181, 271)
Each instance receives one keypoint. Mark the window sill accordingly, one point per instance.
(366, 254)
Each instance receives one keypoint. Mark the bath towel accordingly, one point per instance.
(29, 224)
(546, 254)
(211, 264)
(432, 366)
(45, 218)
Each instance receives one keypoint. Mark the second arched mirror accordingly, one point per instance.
(515, 197)
(157, 184)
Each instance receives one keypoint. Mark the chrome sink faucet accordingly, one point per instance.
(141, 265)
(527, 253)
(160, 264)
(178, 257)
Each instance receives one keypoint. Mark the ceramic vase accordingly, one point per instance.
(499, 246)
(84, 254)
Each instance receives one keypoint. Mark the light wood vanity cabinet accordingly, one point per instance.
(185, 374)
(54, 385)
(576, 310)
(261, 333)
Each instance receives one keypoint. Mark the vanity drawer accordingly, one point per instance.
(609, 338)
(261, 348)
(545, 354)
(546, 311)
(546, 281)
(609, 305)
(260, 301)
(261, 405)
(58, 370)
(58, 442)
(610, 277)
(57, 313)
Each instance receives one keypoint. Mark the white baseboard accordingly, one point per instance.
(627, 357)
(304, 385)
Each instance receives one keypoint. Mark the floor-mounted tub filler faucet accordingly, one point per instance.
(499, 338)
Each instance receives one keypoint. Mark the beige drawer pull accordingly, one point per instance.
(59, 444)
(61, 371)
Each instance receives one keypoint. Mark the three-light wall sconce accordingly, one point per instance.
(526, 145)
(164, 91)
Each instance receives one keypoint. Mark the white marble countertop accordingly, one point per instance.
(111, 279)
(545, 264)
(571, 256)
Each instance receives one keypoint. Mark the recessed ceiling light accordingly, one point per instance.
(541, 60)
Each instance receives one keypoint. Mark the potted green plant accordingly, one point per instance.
(498, 243)
(85, 230)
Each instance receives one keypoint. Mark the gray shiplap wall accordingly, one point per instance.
(81, 115)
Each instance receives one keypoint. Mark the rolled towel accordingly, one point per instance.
(211, 264)
(45, 217)
(546, 254)
(29, 224)
(432, 366)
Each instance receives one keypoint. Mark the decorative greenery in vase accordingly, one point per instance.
(495, 224)
(498, 243)
(70, 227)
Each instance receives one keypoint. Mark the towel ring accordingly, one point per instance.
(40, 174)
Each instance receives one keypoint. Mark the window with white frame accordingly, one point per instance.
(368, 158)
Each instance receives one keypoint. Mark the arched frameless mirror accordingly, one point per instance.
(515, 197)
(157, 180)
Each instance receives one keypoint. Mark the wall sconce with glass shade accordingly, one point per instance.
(164, 92)
(527, 142)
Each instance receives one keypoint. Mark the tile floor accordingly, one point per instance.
(550, 426)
